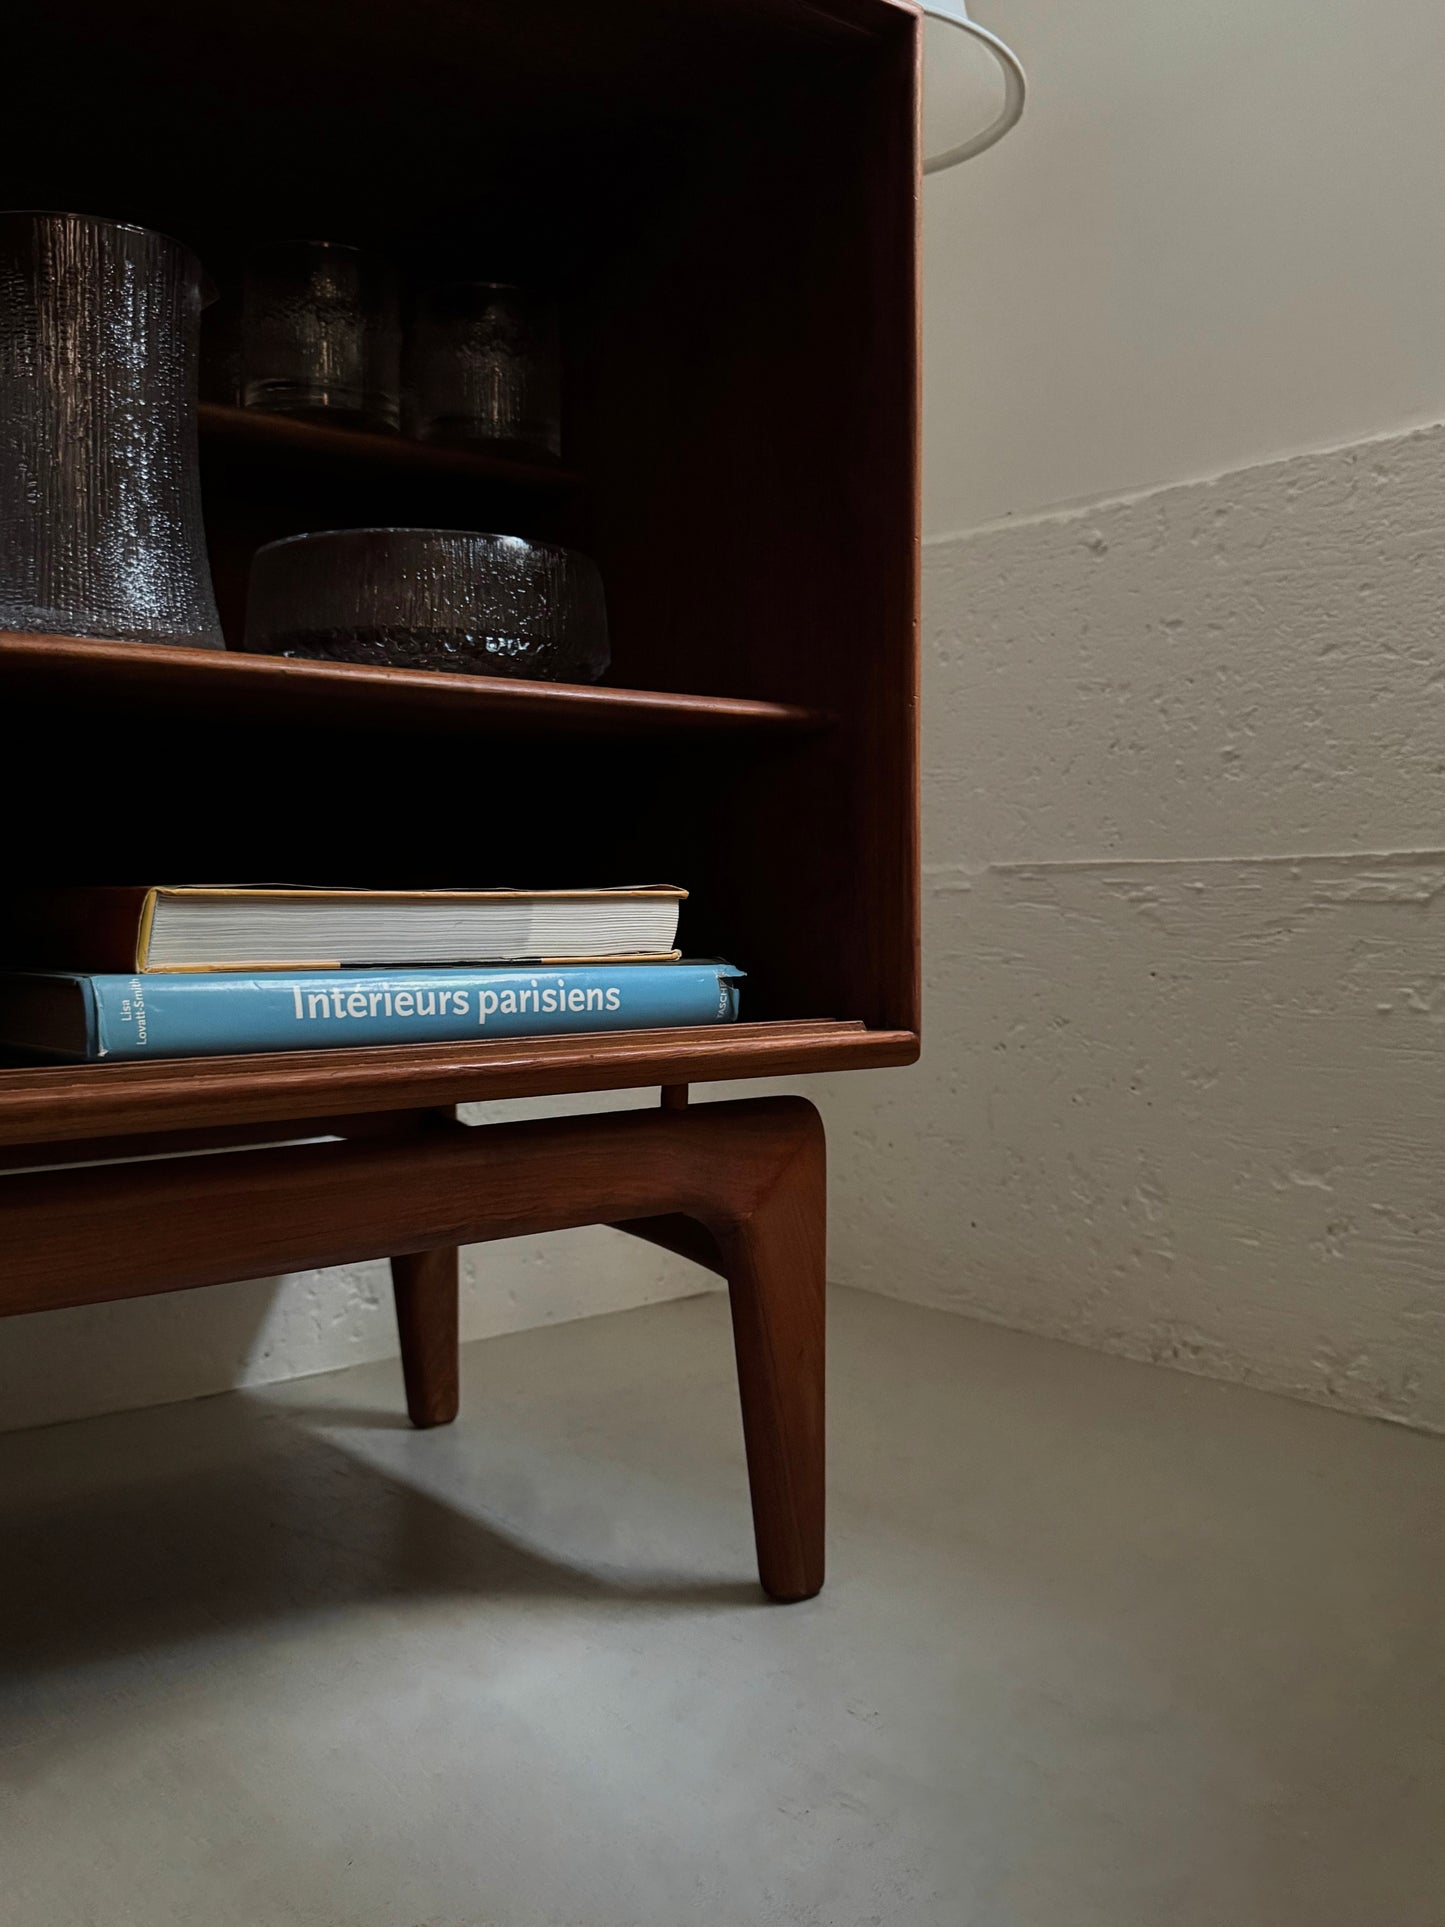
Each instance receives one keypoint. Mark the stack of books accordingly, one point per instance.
(115, 973)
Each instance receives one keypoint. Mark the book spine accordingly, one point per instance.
(160, 1015)
(49, 929)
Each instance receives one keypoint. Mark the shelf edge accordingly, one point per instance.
(61, 1102)
(253, 434)
(359, 691)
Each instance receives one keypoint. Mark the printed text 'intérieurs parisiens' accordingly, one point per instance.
(336, 1003)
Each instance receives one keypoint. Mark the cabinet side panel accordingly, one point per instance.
(747, 403)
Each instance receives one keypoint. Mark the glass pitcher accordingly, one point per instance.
(100, 495)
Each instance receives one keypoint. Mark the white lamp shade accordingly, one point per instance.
(973, 86)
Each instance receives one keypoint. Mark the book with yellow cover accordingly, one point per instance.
(124, 928)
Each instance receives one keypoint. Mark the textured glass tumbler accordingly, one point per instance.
(483, 365)
(319, 334)
(100, 493)
(481, 605)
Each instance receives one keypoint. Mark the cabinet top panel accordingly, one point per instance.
(381, 122)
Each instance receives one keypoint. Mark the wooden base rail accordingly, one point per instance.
(739, 1187)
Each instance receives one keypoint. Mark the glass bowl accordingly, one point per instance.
(448, 599)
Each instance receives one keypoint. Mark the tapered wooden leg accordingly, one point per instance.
(425, 1285)
(775, 1267)
(737, 1186)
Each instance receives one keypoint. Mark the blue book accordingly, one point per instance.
(86, 1019)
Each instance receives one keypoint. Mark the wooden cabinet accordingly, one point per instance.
(725, 195)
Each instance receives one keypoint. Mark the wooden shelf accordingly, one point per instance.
(347, 696)
(55, 1103)
(747, 486)
(250, 434)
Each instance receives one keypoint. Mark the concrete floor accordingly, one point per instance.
(1103, 1646)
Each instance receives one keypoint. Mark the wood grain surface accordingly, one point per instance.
(749, 1174)
(58, 1102)
(228, 686)
(425, 1286)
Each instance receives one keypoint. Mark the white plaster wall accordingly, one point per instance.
(1184, 1082)
(1212, 240)
(1185, 754)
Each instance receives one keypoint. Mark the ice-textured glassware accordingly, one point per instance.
(320, 335)
(483, 365)
(481, 605)
(100, 493)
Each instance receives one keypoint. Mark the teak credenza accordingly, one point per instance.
(725, 194)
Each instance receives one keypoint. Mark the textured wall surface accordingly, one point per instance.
(1184, 1084)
